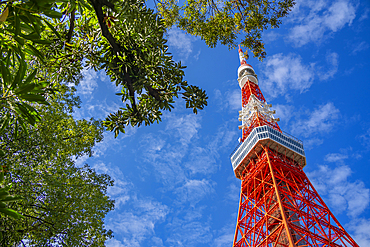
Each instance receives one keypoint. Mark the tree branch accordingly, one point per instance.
(108, 4)
(37, 218)
(71, 26)
(97, 5)
(153, 92)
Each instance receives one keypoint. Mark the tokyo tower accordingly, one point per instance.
(278, 205)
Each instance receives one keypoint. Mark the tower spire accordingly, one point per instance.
(242, 57)
(278, 205)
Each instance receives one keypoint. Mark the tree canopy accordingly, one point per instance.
(225, 21)
(61, 203)
(125, 38)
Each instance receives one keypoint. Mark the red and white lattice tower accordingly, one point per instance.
(278, 204)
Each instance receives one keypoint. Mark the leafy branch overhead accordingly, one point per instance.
(123, 37)
(134, 54)
(225, 21)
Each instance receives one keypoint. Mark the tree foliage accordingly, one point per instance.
(224, 20)
(125, 38)
(62, 204)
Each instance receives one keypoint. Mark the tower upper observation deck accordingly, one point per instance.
(255, 114)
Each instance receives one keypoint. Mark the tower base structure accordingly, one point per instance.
(279, 207)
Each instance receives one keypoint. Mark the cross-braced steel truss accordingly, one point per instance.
(279, 207)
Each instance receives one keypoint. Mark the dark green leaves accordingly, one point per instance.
(226, 20)
(5, 198)
(195, 98)
(140, 63)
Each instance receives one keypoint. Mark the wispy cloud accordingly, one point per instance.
(192, 233)
(98, 109)
(137, 225)
(122, 191)
(229, 100)
(336, 157)
(180, 42)
(89, 82)
(194, 191)
(332, 64)
(225, 236)
(282, 73)
(365, 14)
(321, 120)
(365, 139)
(360, 229)
(321, 20)
(185, 127)
(284, 112)
(342, 194)
(359, 47)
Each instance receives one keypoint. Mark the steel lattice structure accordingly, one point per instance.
(278, 206)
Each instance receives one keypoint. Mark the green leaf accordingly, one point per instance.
(53, 14)
(19, 40)
(5, 73)
(35, 52)
(33, 97)
(4, 123)
(11, 198)
(11, 213)
(32, 36)
(17, 25)
(30, 77)
(42, 41)
(25, 89)
(20, 74)
(52, 29)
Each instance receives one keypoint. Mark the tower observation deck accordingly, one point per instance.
(278, 205)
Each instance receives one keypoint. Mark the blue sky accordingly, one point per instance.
(174, 184)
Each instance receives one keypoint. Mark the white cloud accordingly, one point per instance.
(234, 193)
(191, 234)
(113, 243)
(201, 161)
(342, 194)
(88, 83)
(99, 109)
(321, 120)
(181, 42)
(229, 100)
(365, 139)
(332, 60)
(360, 229)
(282, 73)
(336, 157)
(312, 142)
(122, 191)
(321, 20)
(339, 14)
(365, 15)
(284, 112)
(234, 99)
(360, 47)
(225, 236)
(186, 127)
(138, 225)
(193, 191)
